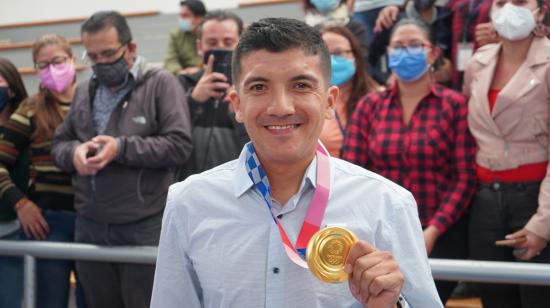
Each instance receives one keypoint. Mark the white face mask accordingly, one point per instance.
(513, 23)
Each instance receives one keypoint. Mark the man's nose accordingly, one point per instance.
(282, 104)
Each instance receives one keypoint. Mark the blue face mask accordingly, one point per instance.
(185, 25)
(325, 6)
(343, 70)
(408, 64)
(4, 97)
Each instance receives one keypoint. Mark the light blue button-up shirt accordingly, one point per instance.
(219, 246)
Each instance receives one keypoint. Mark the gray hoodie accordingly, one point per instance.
(152, 126)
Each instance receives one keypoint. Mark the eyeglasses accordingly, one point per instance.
(342, 52)
(56, 62)
(107, 55)
(412, 48)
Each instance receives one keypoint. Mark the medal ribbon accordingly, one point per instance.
(316, 210)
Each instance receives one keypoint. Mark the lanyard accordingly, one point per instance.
(340, 125)
(316, 210)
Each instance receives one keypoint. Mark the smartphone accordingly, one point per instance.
(222, 62)
(512, 242)
(94, 152)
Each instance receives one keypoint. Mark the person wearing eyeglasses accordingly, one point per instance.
(440, 21)
(46, 210)
(416, 134)
(351, 77)
(127, 131)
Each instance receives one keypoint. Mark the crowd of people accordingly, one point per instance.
(256, 123)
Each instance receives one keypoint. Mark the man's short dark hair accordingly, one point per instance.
(100, 21)
(278, 35)
(195, 6)
(220, 15)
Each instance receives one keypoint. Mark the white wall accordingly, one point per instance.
(16, 11)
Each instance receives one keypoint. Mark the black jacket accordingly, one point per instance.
(217, 137)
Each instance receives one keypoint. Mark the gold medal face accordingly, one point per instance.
(327, 252)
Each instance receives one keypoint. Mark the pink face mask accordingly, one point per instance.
(57, 77)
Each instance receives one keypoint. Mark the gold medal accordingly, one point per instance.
(327, 252)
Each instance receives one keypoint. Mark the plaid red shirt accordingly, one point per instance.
(432, 156)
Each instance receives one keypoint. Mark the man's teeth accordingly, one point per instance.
(281, 126)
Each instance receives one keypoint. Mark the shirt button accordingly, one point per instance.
(276, 270)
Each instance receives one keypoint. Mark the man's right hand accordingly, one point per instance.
(80, 158)
(375, 279)
(211, 84)
(386, 18)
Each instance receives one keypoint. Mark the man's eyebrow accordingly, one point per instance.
(308, 77)
(254, 79)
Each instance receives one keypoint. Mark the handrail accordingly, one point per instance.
(442, 269)
(81, 252)
(28, 44)
(70, 20)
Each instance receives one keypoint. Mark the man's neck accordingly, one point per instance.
(285, 180)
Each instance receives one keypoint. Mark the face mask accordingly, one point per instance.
(342, 70)
(513, 22)
(408, 65)
(325, 6)
(185, 25)
(112, 74)
(4, 97)
(57, 78)
(421, 5)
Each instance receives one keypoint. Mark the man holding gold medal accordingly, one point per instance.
(245, 233)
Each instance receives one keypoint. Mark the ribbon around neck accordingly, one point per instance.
(317, 207)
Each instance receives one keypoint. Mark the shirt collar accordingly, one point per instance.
(393, 91)
(242, 182)
(136, 68)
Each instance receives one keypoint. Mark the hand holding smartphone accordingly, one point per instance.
(94, 151)
(222, 62)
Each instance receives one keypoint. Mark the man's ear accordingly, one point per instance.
(332, 97)
(236, 103)
(132, 47)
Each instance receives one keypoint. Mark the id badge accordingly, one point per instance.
(465, 52)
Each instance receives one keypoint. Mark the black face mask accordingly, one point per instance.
(112, 74)
(420, 5)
